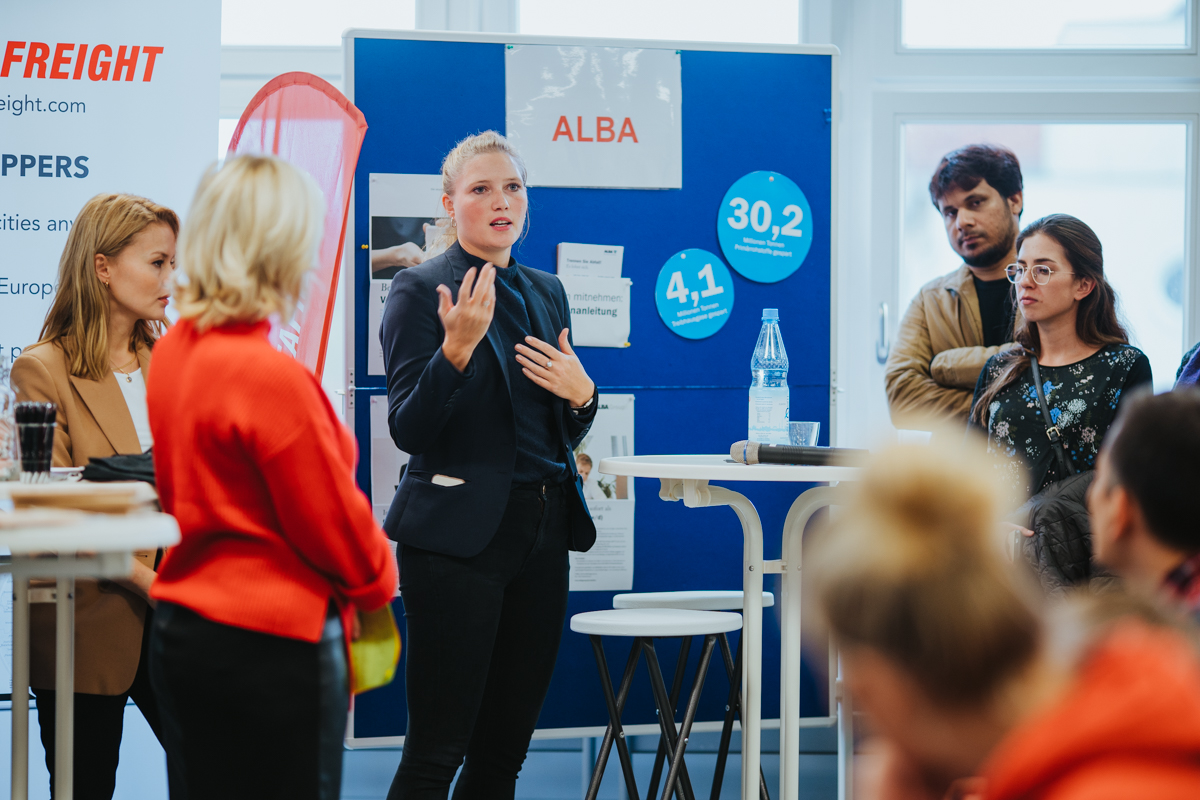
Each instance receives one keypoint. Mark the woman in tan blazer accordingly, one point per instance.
(114, 280)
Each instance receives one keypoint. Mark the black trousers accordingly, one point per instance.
(483, 636)
(99, 721)
(246, 714)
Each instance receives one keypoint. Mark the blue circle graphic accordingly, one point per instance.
(694, 293)
(765, 226)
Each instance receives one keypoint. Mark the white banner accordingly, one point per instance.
(605, 117)
(95, 97)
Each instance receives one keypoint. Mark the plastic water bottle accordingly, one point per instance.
(769, 396)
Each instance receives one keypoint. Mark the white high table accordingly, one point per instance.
(93, 546)
(686, 478)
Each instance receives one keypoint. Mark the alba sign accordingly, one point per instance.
(596, 117)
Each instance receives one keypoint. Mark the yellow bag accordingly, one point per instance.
(373, 656)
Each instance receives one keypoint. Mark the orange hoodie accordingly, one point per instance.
(1128, 727)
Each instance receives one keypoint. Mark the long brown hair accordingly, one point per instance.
(1096, 321)
(78, 318)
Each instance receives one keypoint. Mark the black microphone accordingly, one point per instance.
(745, 452)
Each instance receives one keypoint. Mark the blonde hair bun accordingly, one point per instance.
(912, 567)
(456, 161)
(906, 488)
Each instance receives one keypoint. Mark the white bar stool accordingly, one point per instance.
(705, 600)
(645, 625)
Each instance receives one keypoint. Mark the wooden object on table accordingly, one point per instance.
(121, 497)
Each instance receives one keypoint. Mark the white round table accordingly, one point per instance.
(91, 545)
(686, 478)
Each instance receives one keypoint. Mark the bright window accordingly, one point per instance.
(308, 22)
(769, 21)
(1125, 181)
(1048, 24)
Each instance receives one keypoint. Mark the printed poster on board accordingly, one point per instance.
(608, 566)
(599, 117)
(406, 212)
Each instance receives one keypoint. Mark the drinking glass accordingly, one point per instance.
(803, 434)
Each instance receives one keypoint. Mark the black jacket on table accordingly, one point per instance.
(462, 425)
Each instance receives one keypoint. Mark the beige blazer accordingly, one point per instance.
(93, 422)
(937, 355)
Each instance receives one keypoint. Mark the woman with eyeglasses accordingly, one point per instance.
(1068, 320)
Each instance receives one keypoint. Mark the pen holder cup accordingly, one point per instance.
(37, 450)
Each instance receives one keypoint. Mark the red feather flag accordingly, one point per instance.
(307, 122)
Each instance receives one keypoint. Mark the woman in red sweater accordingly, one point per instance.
(949, 657)
(279, 546)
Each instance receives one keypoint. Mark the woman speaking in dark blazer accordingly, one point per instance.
(488, 398)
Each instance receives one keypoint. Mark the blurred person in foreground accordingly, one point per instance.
(967, 690)
(279, 547)
(960, 320)
(114, 280)
(1144, 526)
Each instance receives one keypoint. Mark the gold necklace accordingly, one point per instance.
(121, 369)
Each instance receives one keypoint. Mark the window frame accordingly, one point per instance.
(895, 59)
(894, 110)
(1188, 48)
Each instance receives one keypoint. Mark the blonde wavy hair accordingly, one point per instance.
(250, 239)
(78, 318)
(452, 167)
(914, 570)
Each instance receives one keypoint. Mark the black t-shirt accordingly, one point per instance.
(997, 308)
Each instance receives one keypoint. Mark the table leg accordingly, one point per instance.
(698, 494)
(64, 690)
(845, 717)
(20, 688)
(802, 510)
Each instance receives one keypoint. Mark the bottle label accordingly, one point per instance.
(769, 415)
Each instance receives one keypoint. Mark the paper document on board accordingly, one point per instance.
(387, 460)
(590, 260)
(599, 310)
(406, 212)
(600, 117)
(376, 298)
(608, 566)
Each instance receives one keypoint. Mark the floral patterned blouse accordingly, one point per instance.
(1083, 398)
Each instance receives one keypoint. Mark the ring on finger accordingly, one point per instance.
(549, 364)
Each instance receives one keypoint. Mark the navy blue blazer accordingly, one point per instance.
(462, 424)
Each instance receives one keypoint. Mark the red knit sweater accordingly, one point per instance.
(258, 470)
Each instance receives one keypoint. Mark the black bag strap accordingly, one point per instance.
(1052, 431)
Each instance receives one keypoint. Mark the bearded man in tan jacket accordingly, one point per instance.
(960, 320)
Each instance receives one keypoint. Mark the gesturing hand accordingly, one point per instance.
(466, 322)
(556, 369)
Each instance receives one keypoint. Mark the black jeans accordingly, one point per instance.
(99, 722)
(246, 714)
(483, 636)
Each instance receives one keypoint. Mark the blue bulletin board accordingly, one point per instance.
(744, 109)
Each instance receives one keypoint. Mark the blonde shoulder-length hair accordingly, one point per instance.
(250, 239)
(78, 318)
